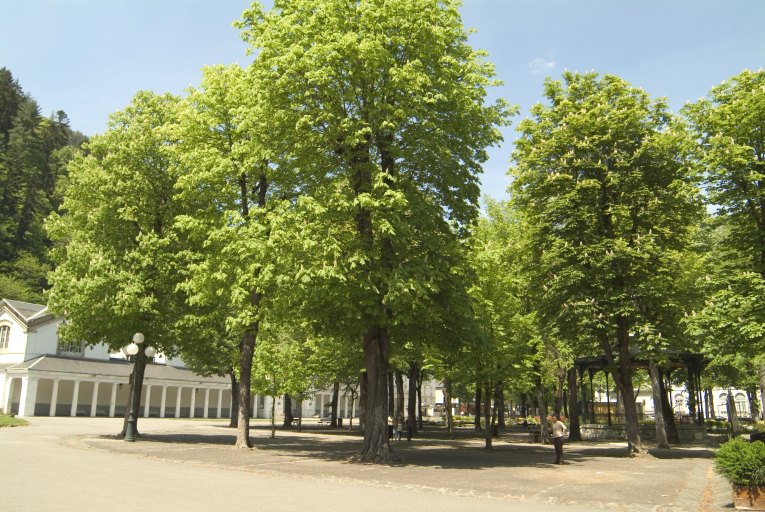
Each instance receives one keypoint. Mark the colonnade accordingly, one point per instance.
(34, 396)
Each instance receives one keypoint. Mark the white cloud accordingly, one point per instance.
(540, 65)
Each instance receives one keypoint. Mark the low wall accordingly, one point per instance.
(616, 432)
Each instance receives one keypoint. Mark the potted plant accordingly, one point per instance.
(743, 464)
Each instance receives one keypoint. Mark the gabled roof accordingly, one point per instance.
(28, 313)
(113, 368)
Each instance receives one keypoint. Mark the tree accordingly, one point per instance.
(233, 194)
(115, 247)
(729, 126)
(34, 152)
(604, 179)
(380, 106)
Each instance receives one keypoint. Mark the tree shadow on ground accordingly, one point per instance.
(430, 449)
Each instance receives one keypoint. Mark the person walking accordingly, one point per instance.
(409, 428)
(398, 427)
(559, 430)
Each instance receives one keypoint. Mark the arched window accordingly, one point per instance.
(741, 405)
(722, 405)
(5, 335)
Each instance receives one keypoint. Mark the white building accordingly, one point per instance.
(41, 376)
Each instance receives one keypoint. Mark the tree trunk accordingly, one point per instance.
(487, 419)
(411, 406)
(273, 416)
(376, 446)
(448, 406)
(391, 396)
(499, 401)
(623, 379)
(542, 401)
(134, 393)
(335, 397)
(399, 412)
(363, 394)
(575, 433)
(559, 396)
(420, 371)
(287, 409)
(661, 430)
(669, 416)
(232, 412)
(245, 377)
(478, 402)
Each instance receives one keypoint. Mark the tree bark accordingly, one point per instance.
(448, 407)
(335, 397)
(287, 409)
(669, 416)
(542, 401)
(420, 371)
(411, 406)
(478, 402)
(661, 430)
(376, 447)
(363, 395)
(273, 417)
(245, 377)
(399, 412)
(623, 379)
(487, 419)
(232, 412)
(391, 396)
(575, 432)
(499, 401)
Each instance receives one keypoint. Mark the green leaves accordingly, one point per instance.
(605, 183)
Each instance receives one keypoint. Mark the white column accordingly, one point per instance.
(207, 402)
(147, 402)
(163, 402)
(113, 399)
(321, 407)
(193, 402)
(75, 396)
(94, 400)
(353, 409)
(346, 406)
(178, 402)
(8, 404)
(220, 403)
(53, 398)
(28, 396)
(5, 383)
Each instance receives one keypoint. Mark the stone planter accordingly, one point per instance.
(748, 498)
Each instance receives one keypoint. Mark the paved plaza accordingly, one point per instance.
(77, 464)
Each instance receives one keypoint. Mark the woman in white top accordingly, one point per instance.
(559, 430)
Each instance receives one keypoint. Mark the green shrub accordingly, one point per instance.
(741, 462)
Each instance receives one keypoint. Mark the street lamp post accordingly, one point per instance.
(132, 350)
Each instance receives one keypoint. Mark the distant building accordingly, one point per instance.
(43, 376)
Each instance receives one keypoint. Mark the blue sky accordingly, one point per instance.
(88, 57)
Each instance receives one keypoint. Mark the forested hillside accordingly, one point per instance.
(34, 150)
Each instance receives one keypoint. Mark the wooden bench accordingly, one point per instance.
(324, 422)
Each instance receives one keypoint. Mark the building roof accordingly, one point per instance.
(114, 368)
(30, 314)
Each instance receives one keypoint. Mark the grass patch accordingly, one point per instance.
(11, 421)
